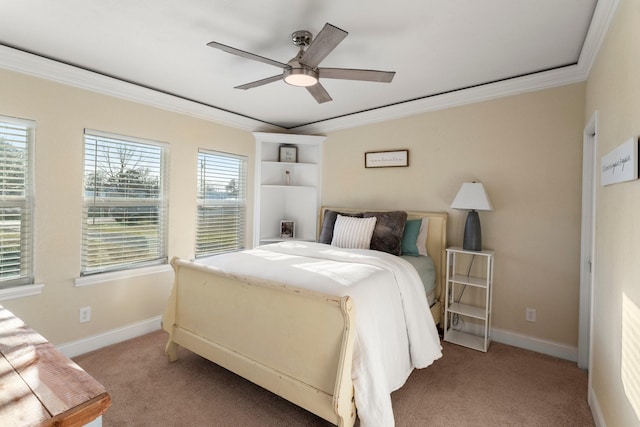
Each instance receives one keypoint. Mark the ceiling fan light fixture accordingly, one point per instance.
(301, 77)
(303, 69)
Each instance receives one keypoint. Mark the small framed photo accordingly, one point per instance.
(386, 159)
(288, 153)
(287, 229)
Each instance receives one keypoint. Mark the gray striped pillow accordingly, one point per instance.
(353, 233)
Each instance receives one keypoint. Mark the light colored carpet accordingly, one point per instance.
(506, 386)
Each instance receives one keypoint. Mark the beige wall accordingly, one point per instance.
(61, 114)
(527, 150)
(613, 89)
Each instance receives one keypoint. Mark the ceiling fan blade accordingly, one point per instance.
(322, 45)
(319, 93)
(247, 55)
(355, 74)
(260, 82)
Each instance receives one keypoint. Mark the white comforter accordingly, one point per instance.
(395, 332)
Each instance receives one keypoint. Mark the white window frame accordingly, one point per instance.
(211, 181)
(125, 228)
(25, 276)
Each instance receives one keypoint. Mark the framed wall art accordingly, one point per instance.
(620, 164)
(288, 153)
(386, 159)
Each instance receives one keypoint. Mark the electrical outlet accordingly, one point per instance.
(531, 315)
(85, 314)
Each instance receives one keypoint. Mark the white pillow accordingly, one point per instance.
(353, 233)
(421, 242)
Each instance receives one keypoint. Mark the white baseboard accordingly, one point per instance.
(85, 345)
(595, 409)
(550, 348)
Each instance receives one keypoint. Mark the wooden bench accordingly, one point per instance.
(39, 386)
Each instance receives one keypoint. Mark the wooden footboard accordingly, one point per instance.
(294, 342)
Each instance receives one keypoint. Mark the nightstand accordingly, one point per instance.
(467, 310)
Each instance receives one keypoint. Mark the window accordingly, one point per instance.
(16, 194)
(125, 203)
(222, 194)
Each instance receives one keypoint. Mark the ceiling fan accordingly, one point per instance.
(302, 70)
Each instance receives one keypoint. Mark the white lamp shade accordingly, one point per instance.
(472, 196)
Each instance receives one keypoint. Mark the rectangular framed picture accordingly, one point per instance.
(288, 153)
(386, 159)
(620, 164)
(287, 229)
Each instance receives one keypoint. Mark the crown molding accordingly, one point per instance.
(26, 63)
(600, 22)
(485, 92)
(37, 66)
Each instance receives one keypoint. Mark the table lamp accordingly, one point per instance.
(473, 197)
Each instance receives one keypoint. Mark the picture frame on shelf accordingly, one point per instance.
(287, 228)
(288, 153)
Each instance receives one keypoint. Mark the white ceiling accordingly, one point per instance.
(444, 52)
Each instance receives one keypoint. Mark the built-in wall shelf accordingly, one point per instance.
(285, 190)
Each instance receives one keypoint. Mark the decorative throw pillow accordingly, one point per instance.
(421, 243)
(410, 237)
(414, 239)
(353, 233)
(387, 236)
(328, 221)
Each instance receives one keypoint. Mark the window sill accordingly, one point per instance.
(21, 291)
(96, 279)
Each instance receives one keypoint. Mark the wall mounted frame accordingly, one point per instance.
(620, 164)
(386, 159)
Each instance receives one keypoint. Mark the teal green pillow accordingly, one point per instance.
(410, 237)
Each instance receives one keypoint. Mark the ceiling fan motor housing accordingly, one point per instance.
(301, 38)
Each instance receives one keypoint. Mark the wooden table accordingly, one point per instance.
(39, 386)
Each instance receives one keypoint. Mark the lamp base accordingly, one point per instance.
(472, 233)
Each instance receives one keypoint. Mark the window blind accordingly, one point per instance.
(125, 203)
(222, 193)
(16, 209)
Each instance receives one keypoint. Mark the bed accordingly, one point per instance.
(300, 319)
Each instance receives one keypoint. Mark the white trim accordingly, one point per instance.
(123, 138)
(549, 348)
(587, 240)
(33, 65)
(21, 291)
(31, 124)
(596, 411)
(114, 336)
(539, 81)
(98, 278)
(16, 60)
(602, 17)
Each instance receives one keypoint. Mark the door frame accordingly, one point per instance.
(587, 245)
